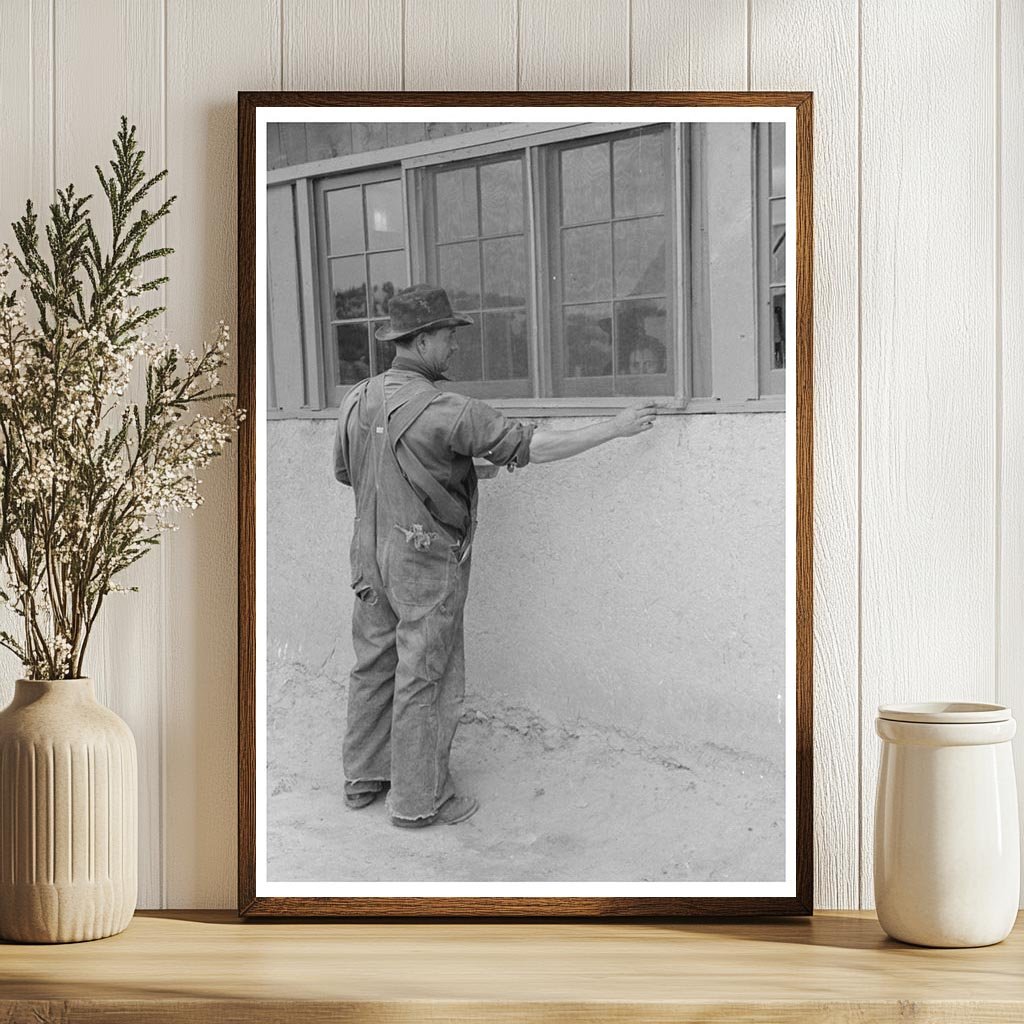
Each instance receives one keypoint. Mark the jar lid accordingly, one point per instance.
(945, 713)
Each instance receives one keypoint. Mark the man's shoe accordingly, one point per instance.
(355, 801)
(454, 810)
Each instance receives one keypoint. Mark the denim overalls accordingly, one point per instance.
(410, 558)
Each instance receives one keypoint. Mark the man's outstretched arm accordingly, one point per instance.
(552, 445)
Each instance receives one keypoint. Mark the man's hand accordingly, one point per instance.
(635, 419)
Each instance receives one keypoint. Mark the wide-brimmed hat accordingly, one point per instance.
(419, 308)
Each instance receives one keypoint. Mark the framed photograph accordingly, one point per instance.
(525, 491)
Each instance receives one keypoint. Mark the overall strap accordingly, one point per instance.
(443, 506)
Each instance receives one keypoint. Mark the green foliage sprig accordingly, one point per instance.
(88, 477)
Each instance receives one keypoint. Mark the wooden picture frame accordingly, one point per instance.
(793, 895)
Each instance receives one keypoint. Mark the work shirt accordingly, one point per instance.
(444, 439)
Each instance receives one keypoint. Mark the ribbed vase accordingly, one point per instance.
(68, 815)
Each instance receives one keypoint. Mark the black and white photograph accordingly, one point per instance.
(525, 518)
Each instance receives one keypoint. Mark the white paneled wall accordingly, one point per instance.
(919, 323)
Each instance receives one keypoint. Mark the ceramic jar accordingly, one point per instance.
(68, 815)
(947, 847)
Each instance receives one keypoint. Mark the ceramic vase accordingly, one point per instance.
(68, 815)
(947, 847)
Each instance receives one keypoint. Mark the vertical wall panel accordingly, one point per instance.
(928, 371)
(829, 69)
(342, 44)
(122, 656)
(698, 44)
(213, 50)
(468, 45)
(26, 172)
(1010, 681)
(574, 44)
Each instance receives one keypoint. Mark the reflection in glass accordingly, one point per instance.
(586, 263)
(458, 269)
(505, 345)
(467, 364)
(778, 329)
(353, 353)
(456, 203)
(504, 272)
(387, 276)
(385, 349)
(777, 147)
(344, 220)
(639, 174)
(385, 224)
(777, 255)
(588, 341)
(501, 197)
(640, 330)
(640, 257)
(348, 288)
(586, 184)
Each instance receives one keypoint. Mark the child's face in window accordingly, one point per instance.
(644, 360)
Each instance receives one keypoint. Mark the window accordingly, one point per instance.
(476, 247)
(610, 266)
(771, 256)
(592, 268)
(598, 262)
(361, 222)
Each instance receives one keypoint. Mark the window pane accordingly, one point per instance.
(639, 170)
(777, 256)
(588, 341)
(777, 146)
(640, 333)
(505, 345)
(586, 263)
(385, 224)
(456, 203)
(352, 346)
(344, 221)
(586, 184)
(640, 257)
(467, 365)
(778, 330)
(387, 276)
(458, 269)
(385, 349)
(501, 197)
(348, 287)
(504, 272)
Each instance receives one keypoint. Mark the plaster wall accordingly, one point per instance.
(638, 587)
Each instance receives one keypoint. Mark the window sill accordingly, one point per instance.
(552, 408)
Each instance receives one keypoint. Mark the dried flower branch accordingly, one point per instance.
(88, 478)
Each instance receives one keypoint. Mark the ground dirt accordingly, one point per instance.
(557, 803)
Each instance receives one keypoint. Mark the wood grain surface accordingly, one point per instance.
(202, 967)
(230, 45)
(832, 75)
(928, 406)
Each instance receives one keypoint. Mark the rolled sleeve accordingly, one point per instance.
(484, 433)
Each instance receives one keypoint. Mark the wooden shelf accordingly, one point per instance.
(208, 966)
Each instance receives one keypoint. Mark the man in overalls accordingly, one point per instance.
(407, 448)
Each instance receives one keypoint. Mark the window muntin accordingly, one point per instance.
(477, 248)
(364, 262)
(611, 258)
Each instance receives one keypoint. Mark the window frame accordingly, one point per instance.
(327, 364)
(771, 380)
